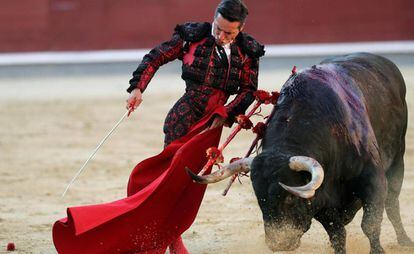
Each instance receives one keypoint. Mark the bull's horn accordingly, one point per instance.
(242, 165)
(303, 163)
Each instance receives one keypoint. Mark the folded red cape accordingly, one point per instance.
(162, 202)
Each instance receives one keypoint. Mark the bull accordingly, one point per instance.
(334, 145)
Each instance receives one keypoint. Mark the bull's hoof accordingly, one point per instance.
(339, 249)
(405, 241)
(377, 250)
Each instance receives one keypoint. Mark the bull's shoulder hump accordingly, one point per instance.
(367, 60)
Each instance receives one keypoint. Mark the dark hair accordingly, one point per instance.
(232, 10)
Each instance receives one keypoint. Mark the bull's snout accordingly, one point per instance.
(282, 238)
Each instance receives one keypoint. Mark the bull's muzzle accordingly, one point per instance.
(283, 238)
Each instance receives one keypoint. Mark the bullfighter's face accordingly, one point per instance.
(225, 31)
(286, 217)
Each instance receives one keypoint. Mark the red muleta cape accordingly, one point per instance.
(162, 202)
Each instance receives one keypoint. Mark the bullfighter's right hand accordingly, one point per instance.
(134, 100)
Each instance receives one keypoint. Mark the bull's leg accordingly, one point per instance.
(337, 236)
(331, 221)
(373, 192)
(349, 211)
(395, 176)
(371, 225)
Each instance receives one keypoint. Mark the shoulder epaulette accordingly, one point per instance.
(250, 46)
(193, 32)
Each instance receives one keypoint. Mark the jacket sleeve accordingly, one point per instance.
(161, 54)
(248, 85)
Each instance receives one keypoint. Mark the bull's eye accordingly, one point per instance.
(284, 119)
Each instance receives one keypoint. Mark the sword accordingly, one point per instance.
(96, 149)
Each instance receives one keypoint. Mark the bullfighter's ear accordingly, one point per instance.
(241, 27)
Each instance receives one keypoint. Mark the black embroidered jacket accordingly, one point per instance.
(203, 70)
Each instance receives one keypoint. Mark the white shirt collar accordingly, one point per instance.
(225, 46)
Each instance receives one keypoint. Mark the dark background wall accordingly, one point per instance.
(46, 25)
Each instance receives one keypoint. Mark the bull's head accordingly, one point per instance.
(286, 209)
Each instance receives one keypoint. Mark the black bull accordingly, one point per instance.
(348, 116)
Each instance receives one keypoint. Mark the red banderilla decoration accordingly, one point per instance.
(212, 160)
(275, 96)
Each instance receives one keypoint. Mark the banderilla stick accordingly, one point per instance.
(254, 143)
(230, 138)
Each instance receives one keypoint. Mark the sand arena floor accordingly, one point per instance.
(53, 117)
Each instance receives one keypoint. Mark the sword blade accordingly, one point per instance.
(94, 151)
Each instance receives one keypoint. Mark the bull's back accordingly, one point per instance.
(383, 90)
